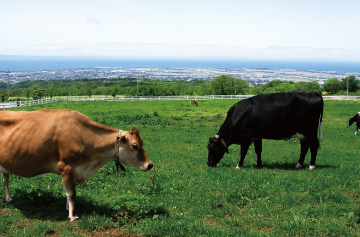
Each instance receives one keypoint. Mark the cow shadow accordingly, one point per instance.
(281, 166)
(44, 205)
(292, 166)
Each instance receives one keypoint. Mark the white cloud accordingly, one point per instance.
(94, 21)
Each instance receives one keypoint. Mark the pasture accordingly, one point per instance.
(181, 196)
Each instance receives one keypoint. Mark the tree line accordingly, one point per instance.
(221, 85)
(348, 84)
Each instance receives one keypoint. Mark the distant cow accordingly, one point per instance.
(194, 102)
(64, 142)
(270, 116)
(355, 119)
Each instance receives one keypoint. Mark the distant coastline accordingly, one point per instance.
(18, 64)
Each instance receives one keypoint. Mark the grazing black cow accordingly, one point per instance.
(277, 116)
(355, 119)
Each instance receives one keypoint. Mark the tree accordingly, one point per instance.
(228, 85)
(51, 92)
(205, 88)
(89, 92)
(35, 95)
(3, 96)
(269, 87)
(308, 86)
(284, 87)
(107, 91)
(332, 85)
(241, 87)
(223, 85)
(114, 91)
(257, 90)
(313, 87)
(27, 93)
(179, 87)
(351, 82)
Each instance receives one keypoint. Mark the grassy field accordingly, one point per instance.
(181, 196)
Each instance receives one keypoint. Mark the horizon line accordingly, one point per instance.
(19, 57)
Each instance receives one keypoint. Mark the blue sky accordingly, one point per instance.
(272, 29)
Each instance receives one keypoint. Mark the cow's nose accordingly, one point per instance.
(150, 166)
(210, 164)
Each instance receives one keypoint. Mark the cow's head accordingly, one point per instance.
(131, 151)
(216, 150)
(351, 121)
(354, 119)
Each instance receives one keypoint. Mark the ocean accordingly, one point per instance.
(54, 63)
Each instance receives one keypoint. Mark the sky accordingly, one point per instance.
(185, 29)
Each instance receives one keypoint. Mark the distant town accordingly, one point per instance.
(253, 76)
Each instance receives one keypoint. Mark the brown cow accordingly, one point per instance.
(64, 142)
(194, 102)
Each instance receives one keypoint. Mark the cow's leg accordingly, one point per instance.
(304, 149)
(314, 146)
(5, 179)
(258, 150)
(69, 185)
(244, 149)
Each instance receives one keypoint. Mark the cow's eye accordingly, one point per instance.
(135, 146)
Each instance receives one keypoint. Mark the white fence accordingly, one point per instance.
(26, 103)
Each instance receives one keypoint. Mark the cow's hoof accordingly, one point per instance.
(298, 165)
(73, 219)
(237, 167)
(312, 167)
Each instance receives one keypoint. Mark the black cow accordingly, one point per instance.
(277, 116)
(355, 119)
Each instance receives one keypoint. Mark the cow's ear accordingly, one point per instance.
(121, 140)
(134, 131)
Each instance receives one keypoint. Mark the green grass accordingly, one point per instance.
(181, 196)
